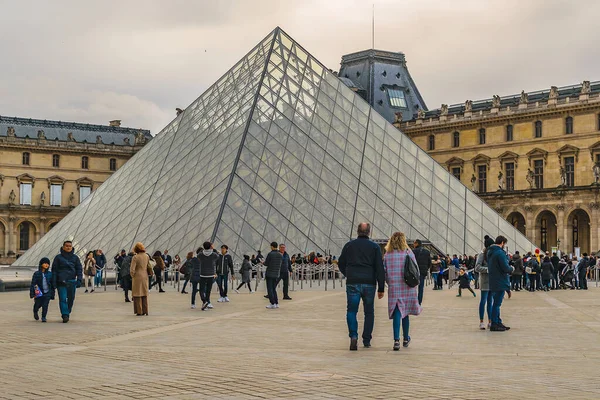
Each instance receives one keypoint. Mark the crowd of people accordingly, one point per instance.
(494, 271)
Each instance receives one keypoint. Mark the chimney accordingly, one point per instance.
(116, 122)
(179, 111)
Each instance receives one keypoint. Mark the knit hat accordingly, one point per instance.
(44, 260)
(488, 242)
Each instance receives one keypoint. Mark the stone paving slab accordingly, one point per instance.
(240, 350)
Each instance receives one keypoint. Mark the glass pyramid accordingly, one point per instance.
(278, 149)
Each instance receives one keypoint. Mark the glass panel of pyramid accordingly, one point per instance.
(278, 149)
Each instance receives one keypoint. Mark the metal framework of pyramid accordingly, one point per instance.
(278, 149)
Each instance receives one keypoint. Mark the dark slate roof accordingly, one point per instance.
(513, 100)
(58, 130)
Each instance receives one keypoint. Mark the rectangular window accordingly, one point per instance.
(538, 173)
(113, 164)
(55, 195)
(55, 160)
(482, 136)
(569, 125)
(25, 194)
(510, 176)
(84, 162)
(482, 171)
(456, 172)
(538, 129)
(397, 98)
(25, 158)
(570, 171)
(509, 133)
(84, 191)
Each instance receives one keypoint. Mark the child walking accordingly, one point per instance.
(41, 290)
(463, 282)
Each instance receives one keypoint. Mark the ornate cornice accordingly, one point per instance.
(51, 146)
(510, 115)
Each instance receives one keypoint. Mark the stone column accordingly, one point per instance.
(12, 237)
(561, 227)
(530, 224)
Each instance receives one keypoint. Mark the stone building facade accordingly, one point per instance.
(49, 167)
(534, 157)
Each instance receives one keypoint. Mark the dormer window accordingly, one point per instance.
(396, 97)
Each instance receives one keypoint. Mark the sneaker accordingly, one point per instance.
(405, 342)
(276, 305)
(497, 328)
(489, 325)
(397, 343)
(482, 326)
(251, 291)
(271, 306)
(204, 305)
(210, 305)
(220, 300)
(506, 328)
(237, 291)
(193, 306)
(353, 344)
(367, 345)
(43, 319)
(287, 298)
(36, 316)
(458, 295)
(225, 299)
(184, 292)
(65, 319)
(160, 291)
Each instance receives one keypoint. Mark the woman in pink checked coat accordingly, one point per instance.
(402, 299)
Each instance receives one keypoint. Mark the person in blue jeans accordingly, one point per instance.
(362, 264)
(67, 275)
(485, 302)
(100, 264)
(498, 273)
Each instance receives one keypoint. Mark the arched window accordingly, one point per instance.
(509, 133)
(456, 139)
(569, 125)
(85, 162)
(482, 136)
(431, 144)
(25, 158)
(113, 164)
(538, 129)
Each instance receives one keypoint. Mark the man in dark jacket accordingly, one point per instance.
(362, 264)
(67, 275)
(423, 257)
(582, 268)
(100, 264)
(168, 261)
(498, 274)
(224, 267)
(204, 272)
(554, 260)
(286, 270)
(118, 260)
(273, 264)
(125, 275)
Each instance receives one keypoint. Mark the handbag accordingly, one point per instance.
(150, 266)
(412, 276)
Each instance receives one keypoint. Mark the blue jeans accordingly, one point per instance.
(485, 304)
(434, 275)
(66, 296)
(421, 287)
(222, 284)
(497, 298)
(354, 294)
(98, 278)
(396, 322)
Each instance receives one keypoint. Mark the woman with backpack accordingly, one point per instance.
(402, 299)
(246, 271)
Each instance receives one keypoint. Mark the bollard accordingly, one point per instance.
(326, 275)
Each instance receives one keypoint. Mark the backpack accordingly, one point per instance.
(412, 275)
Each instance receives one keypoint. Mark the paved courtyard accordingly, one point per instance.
(241, 350)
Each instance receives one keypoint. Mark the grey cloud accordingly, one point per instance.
(138, 60)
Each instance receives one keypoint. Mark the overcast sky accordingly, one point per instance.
(93, 61)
